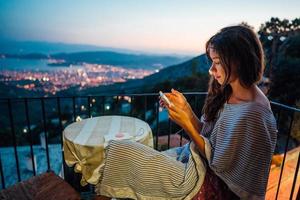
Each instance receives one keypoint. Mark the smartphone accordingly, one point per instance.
(164, 98)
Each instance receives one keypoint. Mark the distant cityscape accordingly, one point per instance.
(85, 76)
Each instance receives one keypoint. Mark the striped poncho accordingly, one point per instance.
(238, 146)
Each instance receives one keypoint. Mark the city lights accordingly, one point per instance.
(53, 81)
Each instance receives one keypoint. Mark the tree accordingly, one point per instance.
(272, 34)
(286, 72)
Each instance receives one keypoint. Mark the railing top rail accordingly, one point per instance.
(100, 95)
(133, 94)
(285, 106)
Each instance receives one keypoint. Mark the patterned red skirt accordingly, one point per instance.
(213, 188)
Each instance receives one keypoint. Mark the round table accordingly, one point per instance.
(84, 142)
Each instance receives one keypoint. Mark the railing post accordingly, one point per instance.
(74, 109)
(145, 107)
(89, 106)
(295, 177)
(103, 105)
(2, 175)
(157, 124)
(61, 134)
(131, 107)
(46, 132)
(283, 161)
(170, 131)
(181, 136)
(14, 139)
(30, 135)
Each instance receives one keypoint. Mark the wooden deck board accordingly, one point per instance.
(46, 186)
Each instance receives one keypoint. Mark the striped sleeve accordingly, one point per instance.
(207, 149)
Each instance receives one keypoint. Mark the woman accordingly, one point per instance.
(231, 146)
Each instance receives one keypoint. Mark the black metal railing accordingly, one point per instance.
(285, 117)
(36, 114)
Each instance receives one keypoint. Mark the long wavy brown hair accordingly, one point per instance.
(241, 54)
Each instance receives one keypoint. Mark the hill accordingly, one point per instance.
(198, 64)
(120, 59)
(74, 53)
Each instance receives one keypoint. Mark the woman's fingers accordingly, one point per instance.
(162, 103)
(176, 115)
(176, 92)
(170, 96)
(176, 99)
(173, 93)
(173, 109)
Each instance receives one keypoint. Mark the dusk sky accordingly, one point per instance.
(158, 26)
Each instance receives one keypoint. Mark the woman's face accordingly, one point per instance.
(216, 70)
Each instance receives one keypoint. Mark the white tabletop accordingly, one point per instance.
(98, 131)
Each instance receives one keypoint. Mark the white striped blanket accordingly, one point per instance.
(135, 171)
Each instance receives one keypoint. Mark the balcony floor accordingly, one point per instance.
(287, 177)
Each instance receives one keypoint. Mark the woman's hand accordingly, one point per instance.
(182, 114)
(179, 106)
(180, 117)
(177, 99)
(186, 122)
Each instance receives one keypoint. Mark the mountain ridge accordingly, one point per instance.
(44, 47)
(137, 61)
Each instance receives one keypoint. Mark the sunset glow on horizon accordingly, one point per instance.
(163, 26)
